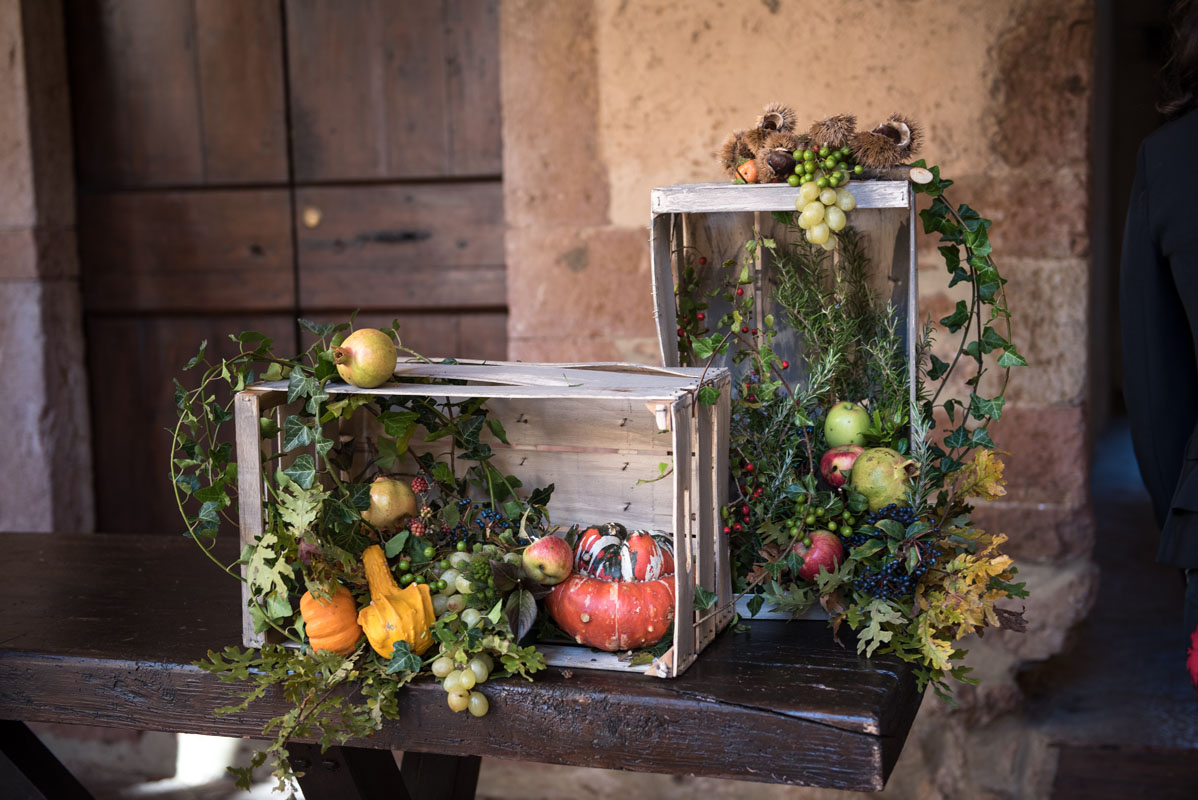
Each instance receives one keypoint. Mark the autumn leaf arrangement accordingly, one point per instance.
(855, 469)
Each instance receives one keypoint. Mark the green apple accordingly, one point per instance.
(846, 423)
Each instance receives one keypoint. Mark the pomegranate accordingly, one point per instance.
(390, 502)
(366, 358)
(881, 475)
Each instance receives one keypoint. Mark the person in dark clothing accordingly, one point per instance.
(1159, 308)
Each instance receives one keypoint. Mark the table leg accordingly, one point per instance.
(347, 773)
(29, 771)
(431, 776)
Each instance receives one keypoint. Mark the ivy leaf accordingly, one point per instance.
(938, 368)
(497, 430)
(957, 319)
(704, 599)
(709, 395)
(442, 474)
(388, 453)
(295, 434)
(1011, 358)
(959, 438)
(321, 329)
(300, 385)
(706, 347)
(980, 408)
(196, 358)
(756, 602)
(188, 483)
(980, 437)
(395, 544)
(891, 528)
(992, 340)
(403, 659)
(540, 496)
(783, 217)
(303, 471)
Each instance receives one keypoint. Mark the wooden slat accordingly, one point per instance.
(688, 198)
(683, 651)
(246, 411)
(179, 251)
(663, 288)
(136, 108)
(719, 491)
(472, 78)
(382, 89)
(177, 92)
(403, 248)
(707, 536)
(132, 361)
(240, 59)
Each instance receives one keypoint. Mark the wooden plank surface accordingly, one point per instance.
(176, 92)
(132, 359)
(780, 702)
(208, 251)
(390, 90)
(688, 198)
(402, 247)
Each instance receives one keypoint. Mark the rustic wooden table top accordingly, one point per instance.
(102, 630)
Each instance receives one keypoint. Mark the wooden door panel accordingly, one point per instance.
(399, 248)
(385, 89)
(187, 251)
(132, 362)
(177, 92)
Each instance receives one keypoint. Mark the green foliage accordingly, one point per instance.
(912, 582)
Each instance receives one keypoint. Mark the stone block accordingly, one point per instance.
(17, 209)
(1042, 87)
(1048, 455)
(1060, 597)
(1036, 212)
(45, 447)
(1040, 532)
(30, 253)
(551, 168)
(586, 283)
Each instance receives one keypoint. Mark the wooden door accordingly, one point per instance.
(242, 163)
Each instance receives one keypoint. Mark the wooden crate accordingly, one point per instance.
(599, 433)
(716, 219)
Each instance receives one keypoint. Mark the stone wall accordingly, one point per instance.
(45, 441)
(604, 100)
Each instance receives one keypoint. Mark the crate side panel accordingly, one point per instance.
(704, 513)
(718, 238)
(602, 425)
(719, 478)
(249, 493)
(660, 250)
(683, 527)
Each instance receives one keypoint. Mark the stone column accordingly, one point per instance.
(45, 433)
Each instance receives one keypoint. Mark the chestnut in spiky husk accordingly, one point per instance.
(734, 152)
(775, 160)
(891, 143)
(835, 131)
(777, 117)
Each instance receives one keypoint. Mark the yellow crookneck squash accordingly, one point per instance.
(394, 614)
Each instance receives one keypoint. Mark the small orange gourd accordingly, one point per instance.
(331, 623)
(394, 614)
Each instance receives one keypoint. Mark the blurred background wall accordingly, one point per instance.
(176, 170)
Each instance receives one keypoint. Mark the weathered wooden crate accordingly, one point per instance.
(599, 433)
(716, 219)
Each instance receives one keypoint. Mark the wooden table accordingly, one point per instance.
(102, 630)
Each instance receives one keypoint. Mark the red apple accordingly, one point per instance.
(837, 463)
(549, 560)
(825, 551)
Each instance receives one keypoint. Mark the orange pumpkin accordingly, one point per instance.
(331, 623)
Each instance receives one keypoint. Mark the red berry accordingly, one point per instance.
(754, 331)
(681, 333)
(744, 329)
(727, 529)
(740, 290)
(419, 484)
(752, 398)
(744, 509)
(737, 527)
(701, 316)
(748, 467)
(785, 365)
(702, 261)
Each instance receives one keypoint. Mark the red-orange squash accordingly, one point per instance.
(621, 594)
(331, 623)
